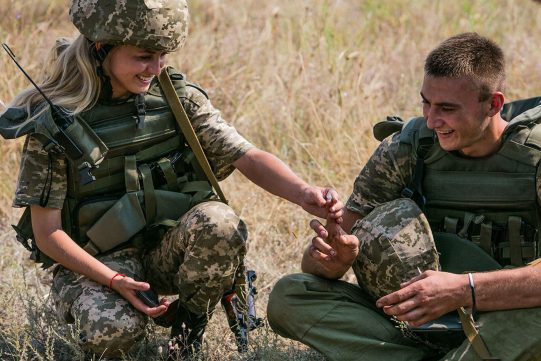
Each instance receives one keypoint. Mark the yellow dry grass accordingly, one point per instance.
(304, 79)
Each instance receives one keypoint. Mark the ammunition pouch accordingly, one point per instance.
(127, 218)
(512, 243)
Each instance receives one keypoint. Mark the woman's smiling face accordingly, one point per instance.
(131, 69)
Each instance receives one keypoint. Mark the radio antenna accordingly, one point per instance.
(14, 58)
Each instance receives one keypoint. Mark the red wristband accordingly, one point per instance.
(112, 278)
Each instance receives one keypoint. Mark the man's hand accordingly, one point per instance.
(322, 202)
(331, 252)
(427, 297)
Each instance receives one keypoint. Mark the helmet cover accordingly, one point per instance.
(395, 244)
(150, 24)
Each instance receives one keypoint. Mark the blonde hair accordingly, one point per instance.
(69, 80)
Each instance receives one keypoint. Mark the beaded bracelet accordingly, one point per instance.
(112, 278)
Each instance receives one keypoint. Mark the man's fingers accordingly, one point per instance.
(348, 240)
(319, 228)
(320, 245)
(319, 256)
(396, 297)
(401, 308)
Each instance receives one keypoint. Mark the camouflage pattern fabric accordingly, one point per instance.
(383, 177)
(197, 260)
(36, 165)
(149, 24)
(396, 243)
(222, 144)
(108, 323)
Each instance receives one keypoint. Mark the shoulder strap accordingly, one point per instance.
(188, 131)
(421, 138)
(473, 336)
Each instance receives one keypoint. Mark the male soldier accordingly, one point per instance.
(477, 182)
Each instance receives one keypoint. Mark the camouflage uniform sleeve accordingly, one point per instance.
(383, 177)
(37, 168)
(221, 142)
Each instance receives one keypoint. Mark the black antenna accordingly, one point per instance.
(14, 58)
(63, 142)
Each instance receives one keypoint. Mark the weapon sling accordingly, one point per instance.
(188, 131)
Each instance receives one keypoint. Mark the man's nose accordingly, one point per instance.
(432, 119)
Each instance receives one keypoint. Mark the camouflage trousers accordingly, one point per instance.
(341, 321)
(196, 260)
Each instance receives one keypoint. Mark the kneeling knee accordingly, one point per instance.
(280, 309)
(112, 336)
(219, 221)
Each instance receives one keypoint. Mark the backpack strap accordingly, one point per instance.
(421, 138)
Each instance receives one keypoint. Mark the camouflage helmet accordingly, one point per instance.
(396, 242)
(150, 24)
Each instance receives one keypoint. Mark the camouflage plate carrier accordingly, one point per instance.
(144, 182)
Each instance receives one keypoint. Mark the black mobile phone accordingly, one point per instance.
(149, 297)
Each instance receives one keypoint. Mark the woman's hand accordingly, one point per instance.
(322, 202)
(127, 286)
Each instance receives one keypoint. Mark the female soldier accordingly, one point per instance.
(148, 187)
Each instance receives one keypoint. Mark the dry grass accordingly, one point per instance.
(302, 79)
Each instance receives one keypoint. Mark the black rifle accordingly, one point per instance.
(242, 318)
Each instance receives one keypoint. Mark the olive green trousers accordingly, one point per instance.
(341, 321)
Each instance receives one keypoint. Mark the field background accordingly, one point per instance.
(303, 79)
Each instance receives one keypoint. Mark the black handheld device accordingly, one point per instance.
(149, 297)
(62, 141)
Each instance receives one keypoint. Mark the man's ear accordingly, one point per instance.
(497, 100)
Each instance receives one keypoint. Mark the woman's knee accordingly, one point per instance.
(214, 222)
(108, 325)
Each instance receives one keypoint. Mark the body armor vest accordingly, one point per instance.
(147, 179)
(491, 201)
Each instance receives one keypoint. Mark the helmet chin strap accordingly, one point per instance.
(99, 52)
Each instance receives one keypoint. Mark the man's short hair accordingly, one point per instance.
(469, 55)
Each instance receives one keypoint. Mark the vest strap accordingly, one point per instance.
(468, 218)
(450, 225)
(485, 238)
(168, 173)
(515, 252)
(150, 194)
(131, 177)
